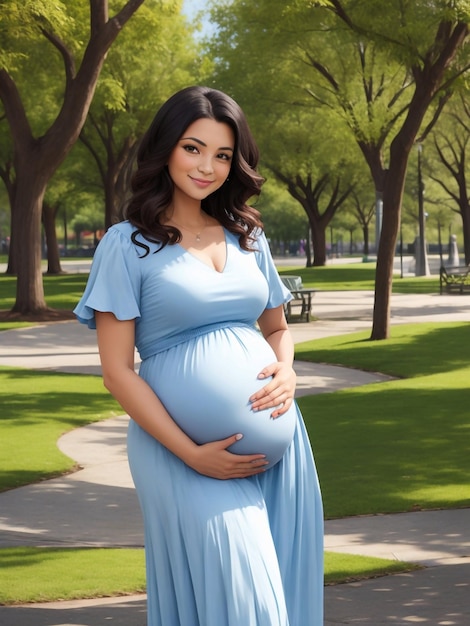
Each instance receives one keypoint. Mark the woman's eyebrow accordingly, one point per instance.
(201, 143)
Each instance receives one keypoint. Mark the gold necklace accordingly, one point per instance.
(197, 234)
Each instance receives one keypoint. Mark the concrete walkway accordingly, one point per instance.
(97, 506)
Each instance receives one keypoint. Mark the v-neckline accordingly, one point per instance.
(210, 267)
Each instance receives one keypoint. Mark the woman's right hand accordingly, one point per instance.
(215, 461)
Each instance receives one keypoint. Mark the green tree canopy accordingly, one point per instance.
(147, 64)
(80, 35)
(383, 70)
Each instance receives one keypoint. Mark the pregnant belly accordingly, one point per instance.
(205, 385)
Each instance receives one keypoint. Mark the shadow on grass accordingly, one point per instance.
(391, 447)
(31, 397)
(413, 350)
(37, 408)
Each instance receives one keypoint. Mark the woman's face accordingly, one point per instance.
(200, 162)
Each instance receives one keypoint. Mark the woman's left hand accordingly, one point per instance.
(279, 392)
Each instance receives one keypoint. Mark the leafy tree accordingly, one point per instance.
(87, 217)
(297, 145)
(58, 200)
(150, 61)
(283, 218)
(384, 69)
(38, 153)
(427, 47)
(320, 185)
(141, 71)
(452, 145)
(363, 210)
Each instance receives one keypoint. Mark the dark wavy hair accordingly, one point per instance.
(152, 186)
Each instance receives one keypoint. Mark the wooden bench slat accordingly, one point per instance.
(455, 279)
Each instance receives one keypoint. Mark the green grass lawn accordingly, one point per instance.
(12, 325)
(44, 575)
(61, 292)
(47, 574)
(37, 408)
(357, 277)
(400, 445)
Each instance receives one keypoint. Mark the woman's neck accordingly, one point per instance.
(190, 215)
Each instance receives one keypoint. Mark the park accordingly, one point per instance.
(366, 210)
(397, 432)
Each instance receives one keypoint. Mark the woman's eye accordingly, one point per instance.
(225, 157)
(190, 148)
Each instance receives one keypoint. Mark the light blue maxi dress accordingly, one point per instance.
(240, 552)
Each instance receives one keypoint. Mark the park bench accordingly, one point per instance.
(301, 298)
(454, 279)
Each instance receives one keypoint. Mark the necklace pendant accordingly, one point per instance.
(198, 237)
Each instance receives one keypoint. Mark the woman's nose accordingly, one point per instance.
(205, 166)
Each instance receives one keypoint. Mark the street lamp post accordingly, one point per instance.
(422, 267)
(439, 237)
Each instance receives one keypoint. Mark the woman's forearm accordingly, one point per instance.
(282, 345)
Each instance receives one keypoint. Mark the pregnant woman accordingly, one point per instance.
(217, 447)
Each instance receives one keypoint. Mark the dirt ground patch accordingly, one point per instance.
(49, 315)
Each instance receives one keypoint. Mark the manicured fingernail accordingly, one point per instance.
(239, 436)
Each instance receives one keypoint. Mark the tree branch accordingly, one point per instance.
(69, 61)
(126, 12)
(339, 10)
(434, 69)
(447, 164)
(437, 112)
(79, 93)
(86, 142)
(96, 126)
(98, 16)
(447, 189)
(14, 112)
(321, 69)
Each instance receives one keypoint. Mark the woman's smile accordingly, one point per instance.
(201, 160)
(201, 182)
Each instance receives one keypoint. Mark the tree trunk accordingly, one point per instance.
(26, 228)
(365, 234)
(6, 174)
(386, 255)
(53, 257)
(428, 81)
(465, 212)
(319, 245)
(12, 266)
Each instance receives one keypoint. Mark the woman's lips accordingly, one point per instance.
(202, 183)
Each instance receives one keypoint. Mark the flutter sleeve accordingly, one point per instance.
(114, 281)
(278, 293)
